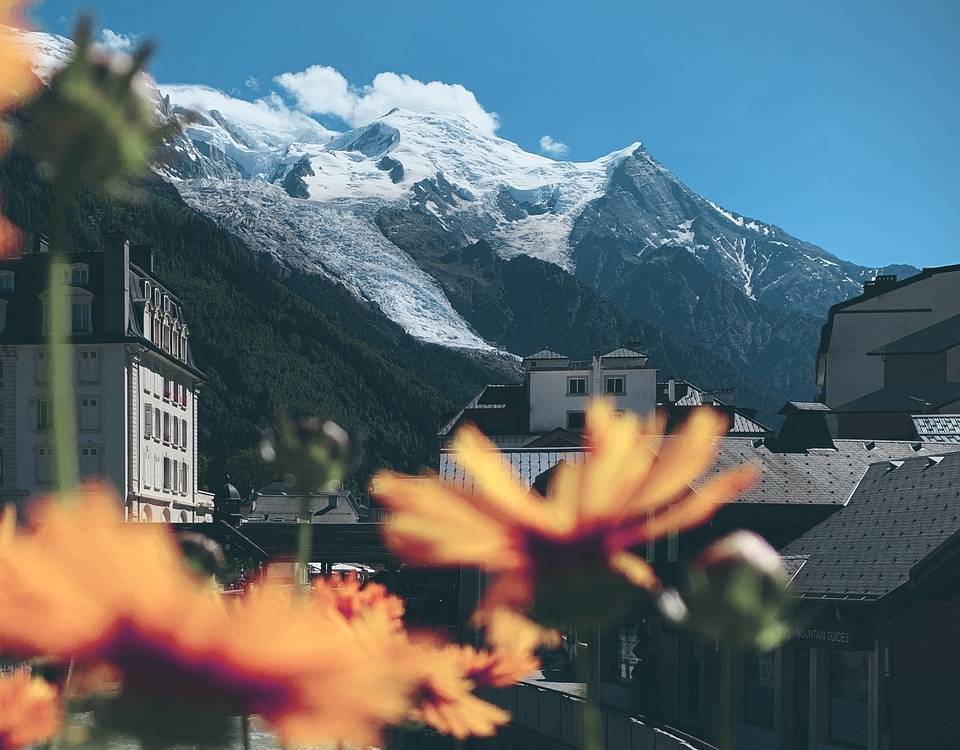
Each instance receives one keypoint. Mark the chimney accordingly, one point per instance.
(142, 255)
(116, 284)
(805, 426)
(879, 284)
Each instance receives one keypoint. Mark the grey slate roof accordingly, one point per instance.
(527, 464)
(898, 516)
(546, 354)
(624, 353)
(792, 407)
(818, 476)
(937, 428)
(930, 340)
(904, 397)
(491, 396)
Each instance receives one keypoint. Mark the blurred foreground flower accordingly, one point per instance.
(29, 710)
(310, 453)
(97, 121)
(565, 558)
(736, 593)
(117, 600)
(17, 84)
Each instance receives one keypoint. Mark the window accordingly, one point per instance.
(79, 274)
(167, 388)
(40, 367)
(174, 483)
(183, 397)
(176, 431)
(156, 423)
(3, 314)
(44, 465)
(759, 688)
(7, 279)
(155, 338)
(183, 435)
(849, 673)
(89, 414)
(90, 461)
(183, 477)
(166, 427)
(576, 386)
(576, 420)
(147, 465)
(147, 421)
(44, 417)
(614, 385)
(691, 666)
(89, 367)
(80, 317)
(167, 473)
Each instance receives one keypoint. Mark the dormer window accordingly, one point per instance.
(166, 303)
(79, 274)
(7, 279)
(146, 290)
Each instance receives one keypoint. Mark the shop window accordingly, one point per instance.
(849, 690)
(692, 665)
(7, 281)
(759, 688)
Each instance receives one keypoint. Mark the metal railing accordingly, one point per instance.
(558, 716)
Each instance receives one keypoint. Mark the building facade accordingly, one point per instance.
(891, 352)
(136, 384)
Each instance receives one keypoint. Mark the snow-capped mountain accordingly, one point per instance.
(417, 212)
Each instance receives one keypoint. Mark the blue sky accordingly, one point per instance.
(837, 120)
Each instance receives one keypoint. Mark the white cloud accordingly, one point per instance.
(117, 42)
(554, 148)
(252, 83)
(266, 115)
(323, 90)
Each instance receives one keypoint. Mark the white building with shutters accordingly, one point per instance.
(136, 383)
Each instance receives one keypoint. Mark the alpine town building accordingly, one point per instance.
(136, 383)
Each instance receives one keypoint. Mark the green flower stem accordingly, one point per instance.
(304, 539)
(587, 674)
(724, 705)
(60, 368)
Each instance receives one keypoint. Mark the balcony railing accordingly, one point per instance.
(558, 716)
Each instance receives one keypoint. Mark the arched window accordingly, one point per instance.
(79, 274)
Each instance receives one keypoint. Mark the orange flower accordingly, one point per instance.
(82, 586)
(346, 595)
(559, 552)
(29, 710)
(18, 82)
(17, 79)
(445, 700)
(500, 667)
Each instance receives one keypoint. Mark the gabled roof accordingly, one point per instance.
(546, 354)
(817, 476)
(937, 428)
(624, 353)
(930, 340)
(493, 396)
(904, 397)
(900, 514)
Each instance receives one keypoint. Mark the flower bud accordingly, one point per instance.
(310, 453)
(736, 593)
